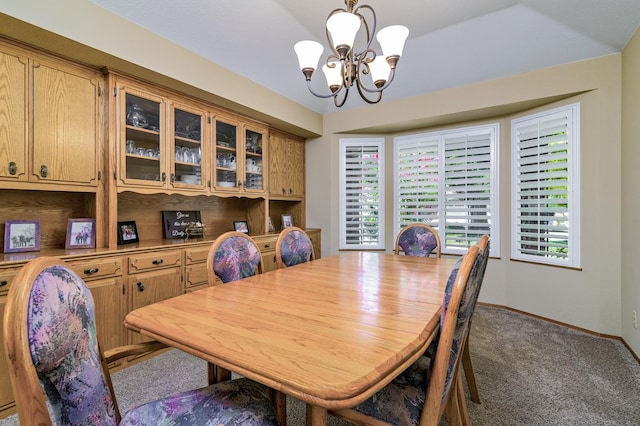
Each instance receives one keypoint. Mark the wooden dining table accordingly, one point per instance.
(330, 332)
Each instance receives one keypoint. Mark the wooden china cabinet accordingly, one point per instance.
(81, 142)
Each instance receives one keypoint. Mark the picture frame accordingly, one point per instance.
(21, 235)
(81, 233)
(270, 225)
(287, 221)
(127, 232)
(241, 226)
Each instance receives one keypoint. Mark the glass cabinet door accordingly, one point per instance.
(253, 156)
(226, 152)
(186, 148)
(143, 148)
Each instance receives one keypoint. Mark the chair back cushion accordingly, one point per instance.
(463, 320)
(295, 248)
(417, 241)
(64, 349)
(236, 258)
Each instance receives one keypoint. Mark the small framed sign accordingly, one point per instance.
(287, 221)
(175, 223)
(127, 232)
(21, 235)
(241, 226)
(81, 233)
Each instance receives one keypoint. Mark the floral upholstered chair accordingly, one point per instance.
(233, 256)
(52, 345)
(430, 387)
(418, 239)
(293, 247)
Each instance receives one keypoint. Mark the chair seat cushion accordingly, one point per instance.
(235, 402)
(401, 401)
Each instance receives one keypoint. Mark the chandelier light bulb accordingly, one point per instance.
(333, 75)
(308, 52)
(380, 70)
(343, 28)
(392, 40)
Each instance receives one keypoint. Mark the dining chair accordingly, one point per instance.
(418, 239)
(293, 247)
(430, 387)
(233, 256)
(52, 346)
(484, 246)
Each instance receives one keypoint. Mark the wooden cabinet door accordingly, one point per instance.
(296, 167)
(150, 287)
(6, 394)
(13, 116)
(108, 299)
(278, 164)
(286, 166)
(66, 125)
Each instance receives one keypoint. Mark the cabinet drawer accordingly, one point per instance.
(266, 246)
(6, 277)
(196, 254)
(196, 275)
(151, 261)
(93, 269)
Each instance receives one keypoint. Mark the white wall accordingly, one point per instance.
(630, 190)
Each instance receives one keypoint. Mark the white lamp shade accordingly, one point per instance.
(380, 69)
(333, 75)
(343, 27)
(308, 52)
(392, 39)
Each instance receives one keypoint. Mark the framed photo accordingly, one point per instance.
(270, 225)
(287, 221)
(127, 232)
(81, 233)
(241, 226)
(21, 235)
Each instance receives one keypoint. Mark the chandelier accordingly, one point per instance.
(345, 67)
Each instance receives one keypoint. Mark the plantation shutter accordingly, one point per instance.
(542, 188)
(467, 188)
(417, 168)
(362, 194)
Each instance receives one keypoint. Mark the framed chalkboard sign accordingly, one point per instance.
(174, 223)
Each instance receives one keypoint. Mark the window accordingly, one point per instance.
(362, 194)
(450, 181)
(545, 187)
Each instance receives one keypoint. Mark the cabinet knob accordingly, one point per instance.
(164, 177)
(90, 271)
(173, 178)
(158, 262)
(284, 191)
(13, 168)
(44, 171)
(3, 283)
(140, 286)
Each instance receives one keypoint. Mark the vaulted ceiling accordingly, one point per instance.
(451, 43)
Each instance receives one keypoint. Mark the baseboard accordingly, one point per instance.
(584, 330)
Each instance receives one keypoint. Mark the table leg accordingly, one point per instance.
(316, 416)
(279, 400)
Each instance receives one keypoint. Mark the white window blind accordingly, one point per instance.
(449, 180)
(467, 187)
(362, 194)
(545, 187)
